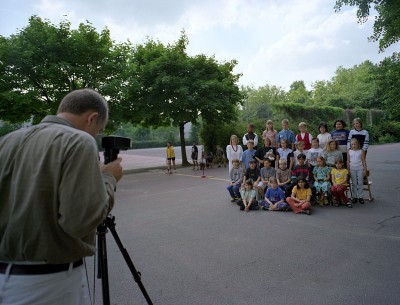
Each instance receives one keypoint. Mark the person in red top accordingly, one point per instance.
(304, 136)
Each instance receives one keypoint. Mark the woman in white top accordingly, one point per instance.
(233, 150)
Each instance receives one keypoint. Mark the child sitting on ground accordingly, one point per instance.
(266, 173)
(235, 180)
(274, 197)
(283, 175)
(339, 177)
(248, 194)
(300, 199)
(322, 182)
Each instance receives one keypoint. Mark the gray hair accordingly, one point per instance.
(82, 100)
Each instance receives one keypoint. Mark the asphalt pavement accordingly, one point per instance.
(192, 246)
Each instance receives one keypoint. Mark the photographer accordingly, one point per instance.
(54, 194)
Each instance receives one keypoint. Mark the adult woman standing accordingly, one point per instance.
(233, 150)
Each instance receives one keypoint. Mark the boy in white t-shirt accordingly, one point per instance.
(314, 153)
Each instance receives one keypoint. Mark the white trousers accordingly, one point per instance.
(61, 288)
(357, 183)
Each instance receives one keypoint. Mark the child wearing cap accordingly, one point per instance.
(252, 174)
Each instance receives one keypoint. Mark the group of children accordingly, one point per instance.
(294, 172)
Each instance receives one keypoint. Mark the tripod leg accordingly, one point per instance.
(136, 275)
(102, 262)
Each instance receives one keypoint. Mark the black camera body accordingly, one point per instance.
(112, 145)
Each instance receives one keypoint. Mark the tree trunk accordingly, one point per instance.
(183, 144)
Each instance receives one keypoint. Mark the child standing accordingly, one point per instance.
(195, 156)
(360, 134)
(332, 153)
(299, 150)
(324, 136)
(235, 181)
(358, 170)
(314, 153)
(270, 133)
(274, 197)
(339, 176)
(248, 154)
(299, 201)
(285, 153)
(248, 201)
(250, 135)
(170, 157)
(287, 134)
(340, 135)
(304, 136)
(322, 180)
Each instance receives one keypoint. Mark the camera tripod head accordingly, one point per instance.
(112, 145)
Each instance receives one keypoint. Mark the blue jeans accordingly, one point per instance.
(234, 190)
(281, 206)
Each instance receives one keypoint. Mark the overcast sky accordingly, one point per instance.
(275, 42)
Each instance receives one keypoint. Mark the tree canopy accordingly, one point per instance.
(387, 22)
(43, 62)
(174, 88)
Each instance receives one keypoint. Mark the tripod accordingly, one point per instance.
(109, 223)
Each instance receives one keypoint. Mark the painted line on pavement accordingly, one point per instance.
(208, 177)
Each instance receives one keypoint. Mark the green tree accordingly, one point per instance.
(174, 88)
(355, 87)
(387, 23)
(42, 62)
(298, 92)
(257, 103)
(389, 84)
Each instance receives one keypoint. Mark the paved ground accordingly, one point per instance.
(194, 247)
(136, 160)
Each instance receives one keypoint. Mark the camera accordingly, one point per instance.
(112, 145)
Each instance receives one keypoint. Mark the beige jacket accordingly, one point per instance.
(52, 193)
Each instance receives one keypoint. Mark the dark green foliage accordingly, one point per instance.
(175, 88)
(388, 77)
(43, 62)
(212, 135)
(389, 132)
(387, 22)
(7, 128)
